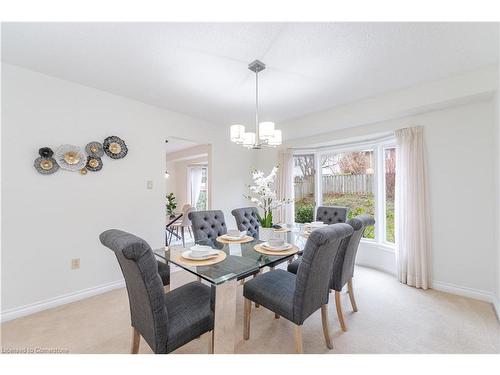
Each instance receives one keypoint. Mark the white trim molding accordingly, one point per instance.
(496, 307)
(374, 255)
(32, 308)
(468, 292)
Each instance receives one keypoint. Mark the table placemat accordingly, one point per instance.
(261, 250)
(283, 230)
(197, 263)
(243, 240)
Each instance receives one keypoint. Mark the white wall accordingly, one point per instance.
(461, 158)
(48, 220)
(497, 115)
(458, 114)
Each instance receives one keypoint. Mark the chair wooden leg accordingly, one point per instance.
(298, 339)
(338, 305)
(211, 342)
(276, 316)
(351, 296)
(166, 288)
(246, 319)
(136, 339)
(326, 328)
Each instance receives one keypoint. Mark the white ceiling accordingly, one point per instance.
(201, 68)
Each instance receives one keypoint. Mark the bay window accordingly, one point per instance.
(360, 177)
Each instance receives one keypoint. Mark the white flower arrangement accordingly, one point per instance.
(264, 195)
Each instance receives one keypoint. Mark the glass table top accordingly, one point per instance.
(241, 260)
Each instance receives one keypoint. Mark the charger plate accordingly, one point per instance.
(197, 263)
(243, 240)
(262, 250)
(282, 230)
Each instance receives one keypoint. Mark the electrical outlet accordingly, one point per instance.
(75, 263)
(149, 184)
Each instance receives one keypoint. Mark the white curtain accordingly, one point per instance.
(412, 214)
(195, 176)
(284, 187)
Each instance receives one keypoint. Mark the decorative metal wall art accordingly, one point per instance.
(94, 163)
(73, 158)
(46, 164)
(70, 157)
(94, 149)
(114, 147)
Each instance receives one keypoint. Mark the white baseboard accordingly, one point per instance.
(469, 292)
(463, 291)
(377, 257)
(496, 306)
(32, 308)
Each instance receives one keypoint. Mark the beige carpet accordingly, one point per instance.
(392, 318)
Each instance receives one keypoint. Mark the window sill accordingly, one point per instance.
(390, 248)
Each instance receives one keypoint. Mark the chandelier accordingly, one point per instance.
(265, 134)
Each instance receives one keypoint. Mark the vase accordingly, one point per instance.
(266, 233)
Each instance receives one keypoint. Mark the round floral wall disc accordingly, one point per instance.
(94, 163)
(70, 157)
(94, 148)
(114, 147)
(46, 165)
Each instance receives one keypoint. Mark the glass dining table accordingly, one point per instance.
(241, 261)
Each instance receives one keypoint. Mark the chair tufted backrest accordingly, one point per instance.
(315, 269)
(247, 219)
(343, 265)
(331, 214)
(139, 266)
(207, 226)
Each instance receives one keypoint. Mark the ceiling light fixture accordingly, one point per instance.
(265, 134)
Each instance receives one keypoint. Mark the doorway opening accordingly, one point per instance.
(187, 186)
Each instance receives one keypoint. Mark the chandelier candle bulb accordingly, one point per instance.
(237, 133)
(266, 130)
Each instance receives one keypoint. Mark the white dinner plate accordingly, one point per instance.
(187, 254)
(233, 238)
(201, 247)
(284, 247)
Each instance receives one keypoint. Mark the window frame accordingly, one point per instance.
(378, 148)
(188, 181)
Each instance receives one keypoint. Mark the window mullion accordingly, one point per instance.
(379, 195)
(318, 182)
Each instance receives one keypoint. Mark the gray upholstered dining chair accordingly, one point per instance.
(296, 297)
(331, 214)
(164, 272)
(248, 220)
(207, 226)
(165, 320)
(343, 264)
